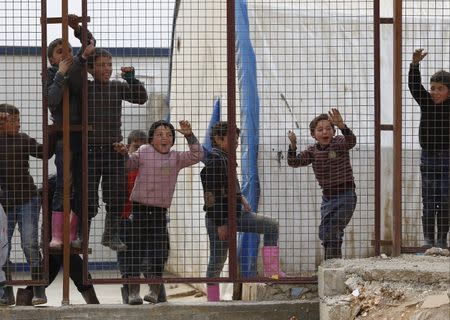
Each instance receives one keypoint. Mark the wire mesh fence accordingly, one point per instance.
(142, 204)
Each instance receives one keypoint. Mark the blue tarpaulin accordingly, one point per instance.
(246, 65)
(215, 117)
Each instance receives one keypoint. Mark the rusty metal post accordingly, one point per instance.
(66, 162)
(377, 99)
(397, 143)
(231, 109)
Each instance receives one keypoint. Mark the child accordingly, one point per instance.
(105, 98)
(3, 253)
(55, 262)
(136, 138)
(214, 178)
(62, 73)
(151, 197)
(434, 138)
(330, 159)
(20, 197)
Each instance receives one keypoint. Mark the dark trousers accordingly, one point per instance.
(434, 168)
(147, 242)
(106, 165)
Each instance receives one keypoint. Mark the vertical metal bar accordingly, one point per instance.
(45, 136)
(231, 109)
(397, 165)
(66, 161)
(377, 95)
(84, 132)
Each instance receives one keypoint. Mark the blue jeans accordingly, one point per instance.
(434, 168)
(27, 217)
(336, 212)
(247, 222)
(76, 180)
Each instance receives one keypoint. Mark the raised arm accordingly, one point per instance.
(302, 159)
(133, 91)
(337, 120)
(418, 91)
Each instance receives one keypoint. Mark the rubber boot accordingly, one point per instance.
(124, 292)
(24, 297)
(110, 237)
(162, 297)
(7, 299)
(442, 240)
(271, 262)
(428, 232)
(133, 294)
(90, 297)
(57, 230)
(39, 296)
(74, 241)
(77, 243)
(153, 293)
(332, 252)
(213, 292)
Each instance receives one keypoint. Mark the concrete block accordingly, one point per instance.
(331, 281)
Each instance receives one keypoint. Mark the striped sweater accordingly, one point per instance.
(331, 163)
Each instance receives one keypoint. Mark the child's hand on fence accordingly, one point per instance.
(185, 128)
(89, 50)
(65, 64)
(73, 22)
(127, 73)
(336, 118)
(293, 139)
(222, 232)
(120, 148)
(418, 55)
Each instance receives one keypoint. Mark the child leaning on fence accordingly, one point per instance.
(214, 178)
(105, 97)
(64, 73)
(330, 159)
(434, 138)
(152, 195)
(19, 194)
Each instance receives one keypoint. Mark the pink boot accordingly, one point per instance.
(271, 262)
(73, 226)
(213, 292)
(57, 229)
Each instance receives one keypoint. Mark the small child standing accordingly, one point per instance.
(151, 197)
(136, 138)
(330, 159)
(434, 138)
(105, 97)
(3, 253)
(20, 197)
(214, 178)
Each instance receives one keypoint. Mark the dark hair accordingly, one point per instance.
(9, 108)
(98, 52)
(220, 130)
(155, 125)
(51, 47)
(137, 135)
(316, 120)
(441, 77)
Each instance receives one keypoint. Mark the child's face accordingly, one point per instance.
(222, 143)
(58, 54)
(324, 132)
(162, 139)
(102, 69)
(10, 125)
(439, 92)
(135, 145)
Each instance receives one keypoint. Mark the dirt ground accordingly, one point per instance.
(408, 287)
